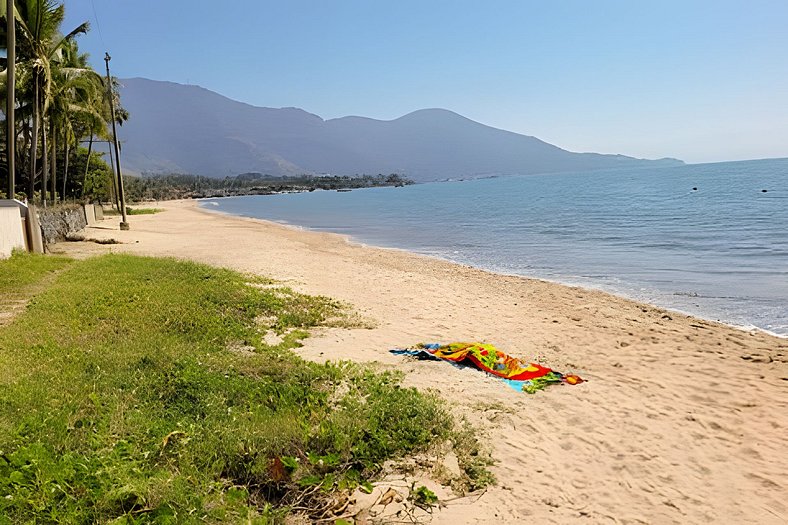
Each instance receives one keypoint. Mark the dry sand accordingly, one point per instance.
(681, 420)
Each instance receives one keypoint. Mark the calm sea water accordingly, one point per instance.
(718, 252)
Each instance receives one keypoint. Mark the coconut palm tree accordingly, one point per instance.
(75, 103)
(39, 42)
(60, 99)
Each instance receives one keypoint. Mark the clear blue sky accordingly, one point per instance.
(700, 80)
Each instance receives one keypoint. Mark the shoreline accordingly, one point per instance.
(681, 420)
(350, 239)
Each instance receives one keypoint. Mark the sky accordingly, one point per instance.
(703, 81)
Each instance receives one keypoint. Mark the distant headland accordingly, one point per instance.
(172, 186)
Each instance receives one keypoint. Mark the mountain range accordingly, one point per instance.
(175, 128)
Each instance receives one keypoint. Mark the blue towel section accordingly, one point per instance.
(517, 385)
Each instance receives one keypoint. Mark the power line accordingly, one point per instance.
(98, 25)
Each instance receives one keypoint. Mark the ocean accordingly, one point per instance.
(710, 240)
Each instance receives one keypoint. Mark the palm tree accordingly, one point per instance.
(75, 103)
(39, 41)
(96, 122)
(121, 116)
(60, 99)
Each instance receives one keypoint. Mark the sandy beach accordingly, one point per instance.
(681, 420)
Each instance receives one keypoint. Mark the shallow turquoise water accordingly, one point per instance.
(719, 252)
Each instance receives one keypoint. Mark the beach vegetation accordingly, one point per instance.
(92, 178)
(60, 101)
(141, 390)
(184, 186)
(423, 497)
(142, 211)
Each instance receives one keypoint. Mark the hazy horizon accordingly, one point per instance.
(701, 82)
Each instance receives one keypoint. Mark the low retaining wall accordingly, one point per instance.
(12, 234)
(90, 213)
(58, 221)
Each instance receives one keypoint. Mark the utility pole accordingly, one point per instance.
(124, 225)
(114, 189)
(11, 98)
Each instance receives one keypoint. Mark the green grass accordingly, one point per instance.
(133, 211)
(123, 401)
(142, 211)
(24, 270)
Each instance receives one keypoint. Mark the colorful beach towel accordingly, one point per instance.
(522, 377)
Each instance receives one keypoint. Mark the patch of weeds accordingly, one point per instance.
(377, 419)
(120, 401)
(300, 310)
(142, 211)
(351, 320)
(422, 497)
(258, 280)
(474, 459)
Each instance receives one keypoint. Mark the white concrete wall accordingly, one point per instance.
(11, 234)
(90, 214)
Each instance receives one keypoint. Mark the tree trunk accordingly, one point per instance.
(53, 135)
(31, 186)
(44, 160)
(20, 165)
(65, 164)
(87, 163)
(20, 152)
